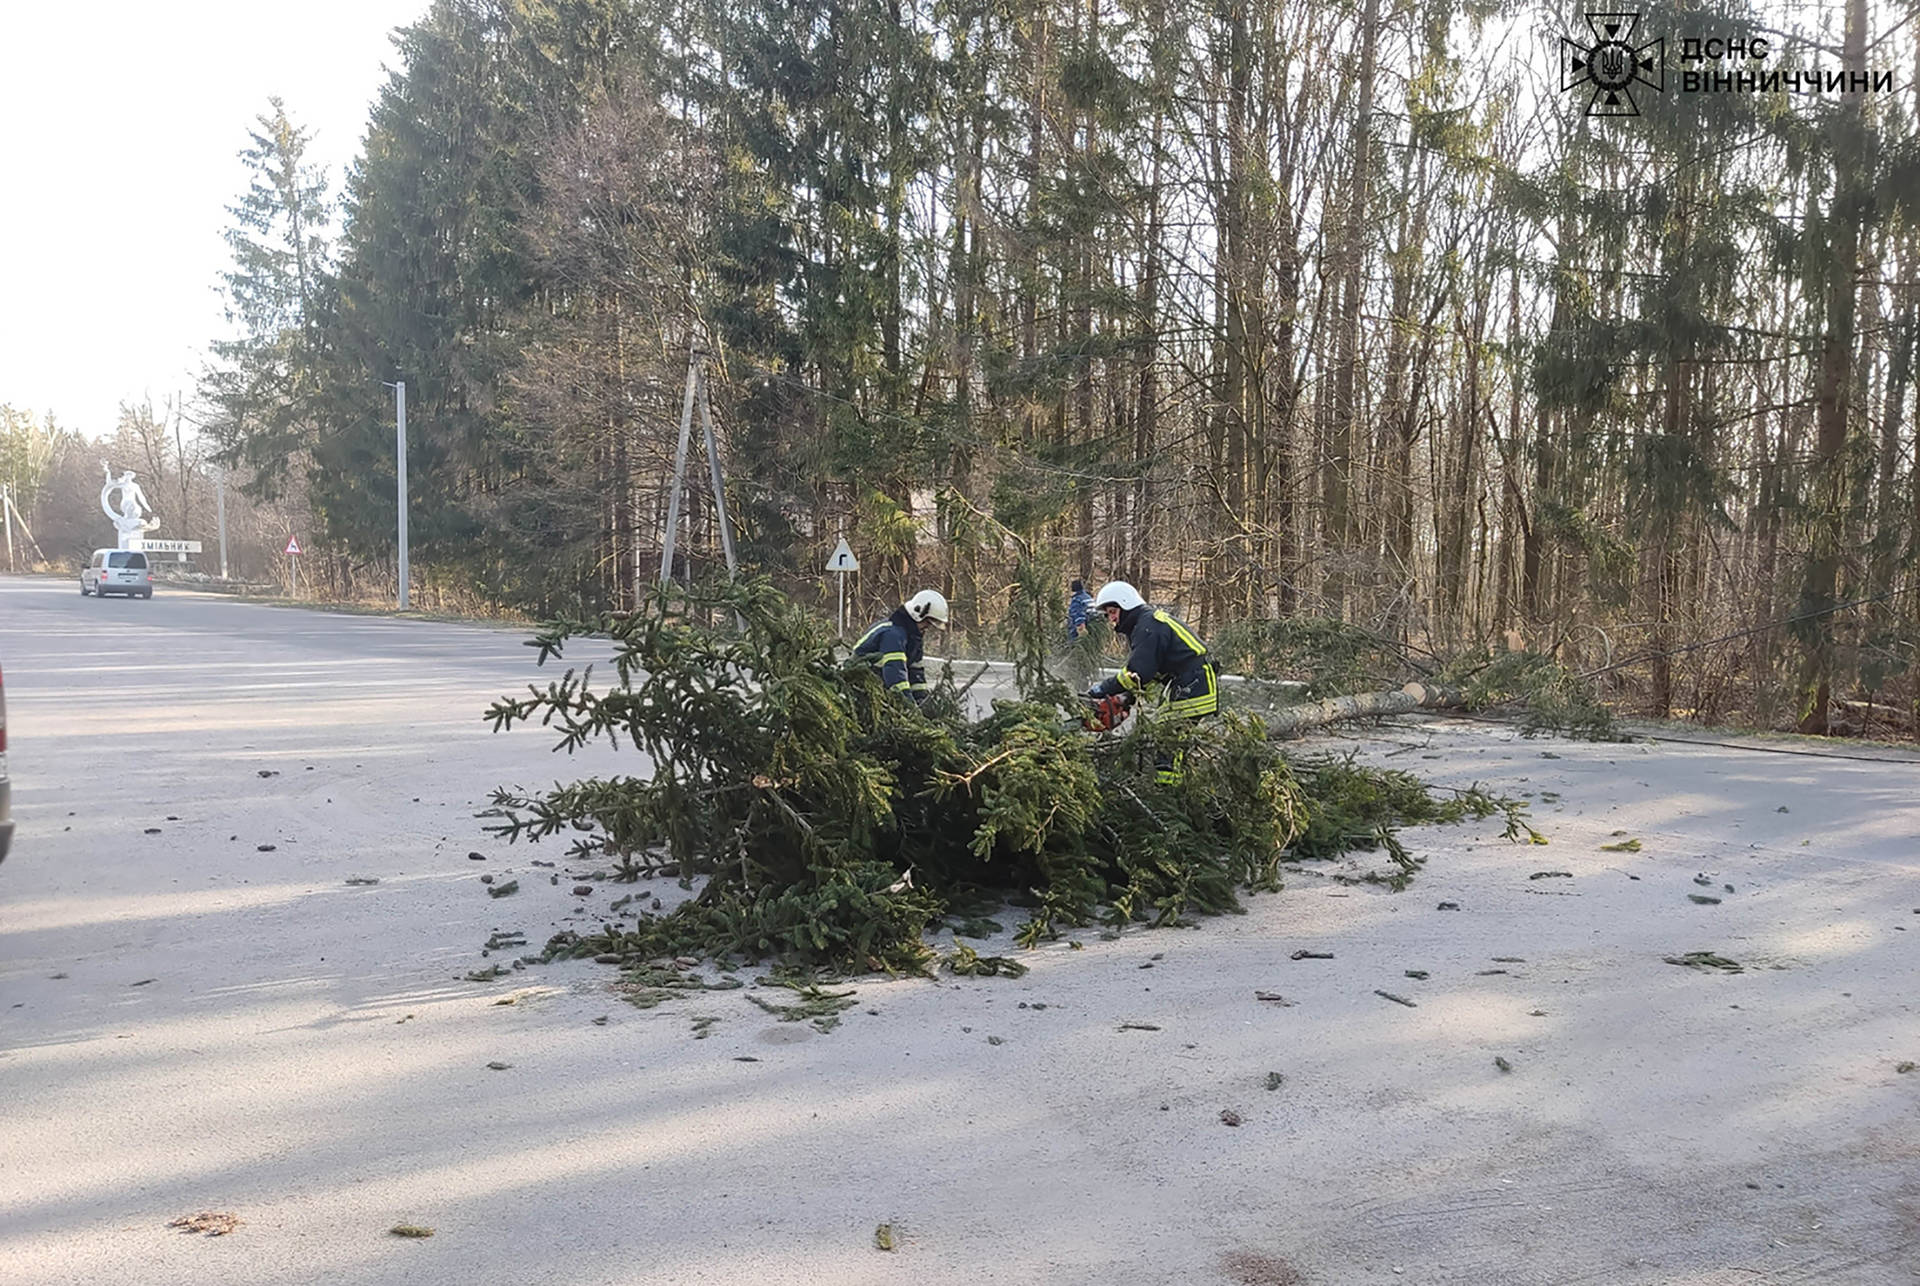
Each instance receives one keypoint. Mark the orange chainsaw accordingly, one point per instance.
(1107, 712)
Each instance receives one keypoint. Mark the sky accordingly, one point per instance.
(120, 128)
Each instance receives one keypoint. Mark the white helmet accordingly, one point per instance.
(1117, 593)
(928, 605)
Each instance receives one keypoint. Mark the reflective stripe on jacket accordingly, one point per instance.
(894, 645)
(1162, 650)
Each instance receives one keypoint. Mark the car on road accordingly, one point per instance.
(6, 790)
(117, 571)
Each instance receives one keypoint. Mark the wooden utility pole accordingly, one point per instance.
(696, 392)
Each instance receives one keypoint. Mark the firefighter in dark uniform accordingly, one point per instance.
(894, 645)
(1160, 650)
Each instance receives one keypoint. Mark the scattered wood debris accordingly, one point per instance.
(214, 1223)
(1705, 960)
(964, 960)
(410, 1230)
(823, 1007)
(1398, 1000)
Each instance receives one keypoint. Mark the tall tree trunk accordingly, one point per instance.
(1828, 484)
(1345, 426)
(1138, 564)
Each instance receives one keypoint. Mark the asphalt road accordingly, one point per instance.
(204, 1010)
(196, 1008)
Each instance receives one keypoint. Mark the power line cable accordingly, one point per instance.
(1755, 629)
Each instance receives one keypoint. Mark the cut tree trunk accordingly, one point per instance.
(1291, 721)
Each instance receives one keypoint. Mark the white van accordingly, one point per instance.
(117, 571)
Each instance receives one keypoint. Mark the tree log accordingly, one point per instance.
(1291, 721)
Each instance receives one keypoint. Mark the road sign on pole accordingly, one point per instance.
(843, 561)
(293, 553)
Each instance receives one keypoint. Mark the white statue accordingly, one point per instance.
(127, 519)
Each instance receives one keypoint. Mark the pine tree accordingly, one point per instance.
(261, 390)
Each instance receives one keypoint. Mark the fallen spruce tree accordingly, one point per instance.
(827, 823)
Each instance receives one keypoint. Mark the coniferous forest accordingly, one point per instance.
(1284, 311)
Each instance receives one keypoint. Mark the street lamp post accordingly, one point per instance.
(400, 456)
(220, 499)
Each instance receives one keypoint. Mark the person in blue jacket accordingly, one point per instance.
(894, 645)
(1160, 650)
(1078, 609)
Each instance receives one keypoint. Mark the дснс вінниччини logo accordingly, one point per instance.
(1612, 64)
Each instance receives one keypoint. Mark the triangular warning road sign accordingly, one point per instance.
(293, 544)
(842, 559)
